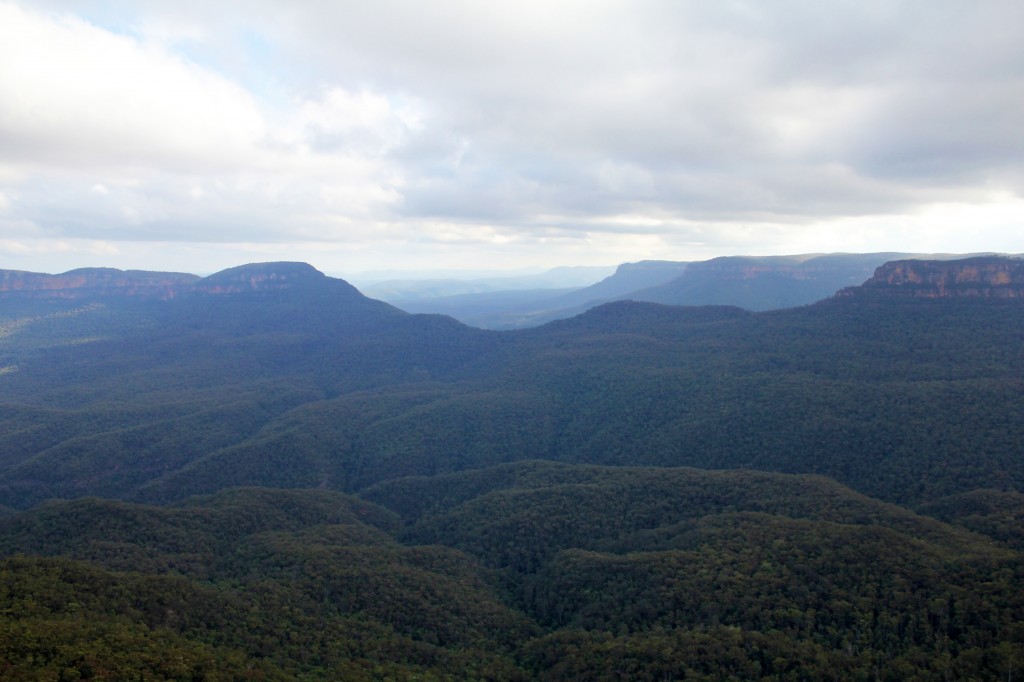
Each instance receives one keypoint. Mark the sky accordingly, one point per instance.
(456, 135)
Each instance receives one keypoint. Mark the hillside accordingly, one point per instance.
(765, 283)
(408, 290)
(530, 571)
(316, 385)
(425, 500)
(980, 277)
(267, 584)
(749, 282)
(519, 308)
(92, 282)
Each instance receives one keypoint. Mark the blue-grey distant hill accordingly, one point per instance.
(276, 375)
(766, 283)
(749, 282)
(411, 289)
(264, 474)
(532, 307)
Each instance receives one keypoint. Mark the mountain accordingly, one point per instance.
(267, 277)
(750, 282)
(628, 277)
(288, 299)
(400, 292)
(498, 310)
(765, 283)
(102, 395)
(999, 514)
(271, 476)
(985, 276)
(92, 282)
(316, 385)
(529, 308)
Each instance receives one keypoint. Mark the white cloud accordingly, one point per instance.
(74, 95)
(362, 122)
(658, 128)
(77, 101)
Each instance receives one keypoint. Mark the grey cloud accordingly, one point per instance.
(570, 116)
(696, 112)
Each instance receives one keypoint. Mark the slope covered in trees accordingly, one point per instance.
(749, 282)
(908, 400)
(289, 583)
(437, 501)
(535, 570)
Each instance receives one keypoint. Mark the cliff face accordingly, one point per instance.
(109, 282)
(765, 282)
(259, 277)
(987, 276)
(855, 268)
(92, 282)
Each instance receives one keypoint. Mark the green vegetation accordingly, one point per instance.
(996, 513)
(642, 492)
(273, 584)
(908, 401)
(528, 571)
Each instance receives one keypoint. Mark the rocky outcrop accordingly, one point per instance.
(765, 282)
(93, 282)
(259, 277)
(980, 277)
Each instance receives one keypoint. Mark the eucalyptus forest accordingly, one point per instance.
(265, 475)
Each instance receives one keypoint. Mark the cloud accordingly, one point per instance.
(118, 139)
(741, 110)
(679, 125)
(77, 96)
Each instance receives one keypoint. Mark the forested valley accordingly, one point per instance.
(269, 476)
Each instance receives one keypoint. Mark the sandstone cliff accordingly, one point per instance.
(93, 282)
(985, 276)
(109, 282)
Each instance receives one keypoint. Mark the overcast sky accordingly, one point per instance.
(196, 135)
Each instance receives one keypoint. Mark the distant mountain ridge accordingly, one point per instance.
(628, 277)
(518, 309)
(106, 282)
(315, 384)
(260, 277)
(766, 282)
(984, 276)
(751, 282)
(410, 289)
(87, 282)
(540, 504)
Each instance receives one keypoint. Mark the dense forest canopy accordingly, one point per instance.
(264, 474)
(903, 398)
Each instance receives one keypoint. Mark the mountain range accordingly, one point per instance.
(750, 282)
(265, 474)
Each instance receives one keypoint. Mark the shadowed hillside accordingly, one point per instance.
(749, 282)
(660, 491)
(306, 383)
(536, 570)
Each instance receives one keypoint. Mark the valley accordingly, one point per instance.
(264, 474)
